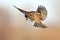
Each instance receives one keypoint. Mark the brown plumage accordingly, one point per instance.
(39, 15)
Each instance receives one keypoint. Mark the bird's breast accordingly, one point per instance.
(36, 18)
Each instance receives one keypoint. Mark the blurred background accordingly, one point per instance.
(52, 6)
(13, 25)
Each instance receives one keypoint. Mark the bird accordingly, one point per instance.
(37, 16)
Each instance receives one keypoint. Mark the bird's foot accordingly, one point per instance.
(43, 26)
(36, 25)
(39, 25)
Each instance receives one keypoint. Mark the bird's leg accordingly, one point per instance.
(42, 25)
(39, 25)
(35, 24)
(26, 17)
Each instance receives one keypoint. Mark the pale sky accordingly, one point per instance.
(52, 6)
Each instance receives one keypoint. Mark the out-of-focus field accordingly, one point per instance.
(13, 26)
(15, 33)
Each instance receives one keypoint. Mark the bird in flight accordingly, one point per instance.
(37, 16)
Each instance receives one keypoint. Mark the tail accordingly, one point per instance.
(20, 10)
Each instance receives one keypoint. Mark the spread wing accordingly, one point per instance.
(43, 11)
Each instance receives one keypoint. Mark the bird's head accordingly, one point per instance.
(43, 12)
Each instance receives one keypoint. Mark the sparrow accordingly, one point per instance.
(37, 16)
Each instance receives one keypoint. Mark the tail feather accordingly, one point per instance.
(20, 9)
